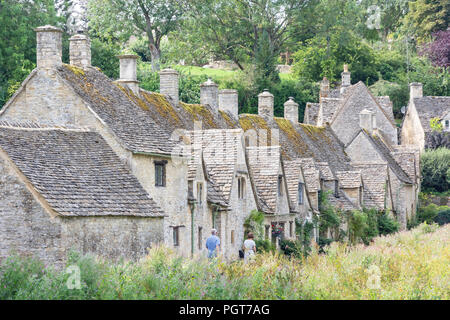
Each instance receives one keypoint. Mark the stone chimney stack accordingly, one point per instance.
(80, 50)
(48, 46)
(168, 84)
(128, 72)
(265, 104)
(324, 88)
(228, 101)
(415, 90)
(291, 110)
(346, 81)
(209, 94)
(366, 120)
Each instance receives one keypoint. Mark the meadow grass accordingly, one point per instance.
(219, 74)
(406, 265)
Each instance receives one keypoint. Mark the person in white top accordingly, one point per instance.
(249, 247)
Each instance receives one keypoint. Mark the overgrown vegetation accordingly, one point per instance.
(412, 265)
(435, 170)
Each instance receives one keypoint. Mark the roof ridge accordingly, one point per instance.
(32, 125)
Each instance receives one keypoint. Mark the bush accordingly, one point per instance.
(264, 246)
(387, 225)
(435, 170)
(443, 217)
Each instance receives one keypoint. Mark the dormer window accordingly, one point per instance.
(241, 187)
(300, 193)
(280, 185)
(446, 124)
(160, 173)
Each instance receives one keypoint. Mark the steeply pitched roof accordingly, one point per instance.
(118, 108)
(311, 174)
(342, 202)
(293, 172)
(349, 179)
(299, 140)
(325, 171)
(220, 148)
(375, 178)
(264, 163)
(385, 152)
(431, 107)
(386, 103)
(359, 95)
(215, 196)
(311, 113)
(76, 172)
(329, 107)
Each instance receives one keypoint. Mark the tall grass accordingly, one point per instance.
(412, 265)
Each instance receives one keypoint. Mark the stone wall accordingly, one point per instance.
(25, 226)
(172, 198)
(112, 237)
(412, 132)
(28, 229)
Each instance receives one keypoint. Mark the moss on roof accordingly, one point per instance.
(160, 103)
(199, 112)
(76, 70)
(130, 94)
(293, 136)
(230, 123)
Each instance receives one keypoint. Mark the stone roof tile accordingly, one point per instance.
(77, 172)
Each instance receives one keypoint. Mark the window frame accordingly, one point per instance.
(176, 236)
(301, 193)
(162, 165)
(241, 187)
(280, 185)
(200, 193)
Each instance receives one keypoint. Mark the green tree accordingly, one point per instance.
(320, 57)
(233, 28)
(18, 39)
(435, 170)
(117, 20)
(427, 16)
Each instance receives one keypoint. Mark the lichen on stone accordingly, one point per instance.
(199, 112)
(161, 105)
(76, 70)
(230, 123)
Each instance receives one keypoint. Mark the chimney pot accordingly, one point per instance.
(291, 110)
(80, 50)
(168, 84)
(128, 72)
(324, 88)
(228, 101)
(415, 90)
(265, 104)
(48, 46)
(346, 80)
(209, 94)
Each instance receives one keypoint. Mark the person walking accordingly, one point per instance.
(249, 247)
(213, 244)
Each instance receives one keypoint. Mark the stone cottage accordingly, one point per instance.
(79, 95)
(421, 110)
(186, 167)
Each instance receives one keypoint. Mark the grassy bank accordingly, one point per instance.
(410, 265)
